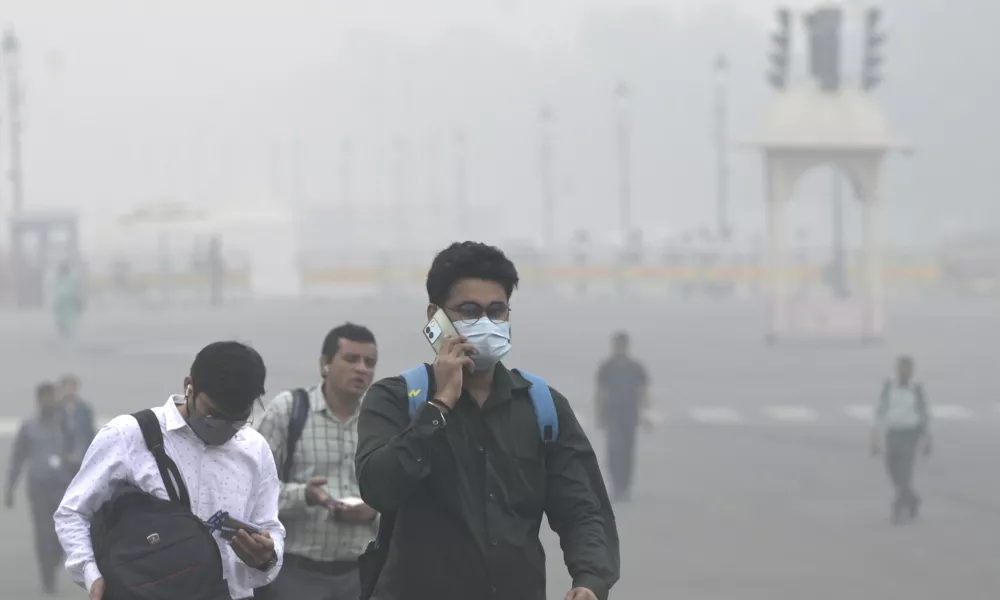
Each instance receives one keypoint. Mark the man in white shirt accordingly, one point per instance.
(225, 465)
(902, 418)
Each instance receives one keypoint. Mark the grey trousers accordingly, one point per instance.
(44, 497)
(900, 454)
(295, 583)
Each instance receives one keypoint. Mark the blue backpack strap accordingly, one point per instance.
(416, 387)
(545, 407)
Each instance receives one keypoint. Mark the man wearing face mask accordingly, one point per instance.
(464, 478)
(225, 465)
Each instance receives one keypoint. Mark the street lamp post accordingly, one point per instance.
(721, 69)
(622, 93)
(545, 120)
(12, 54)
(461, 193)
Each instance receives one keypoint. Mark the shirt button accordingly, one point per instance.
(435, 422)
(419, 459)
(494, 542)
(492, 496)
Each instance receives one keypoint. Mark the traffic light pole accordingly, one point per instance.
(722, 147)
(624, 163)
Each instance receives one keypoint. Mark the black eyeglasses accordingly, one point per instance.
(470, 312)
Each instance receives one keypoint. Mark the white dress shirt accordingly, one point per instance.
(238, 477)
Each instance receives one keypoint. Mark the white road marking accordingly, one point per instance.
(862, 412)
(715, 414)
(791, 413)
(950, 411)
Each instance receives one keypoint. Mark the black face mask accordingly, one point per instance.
(212, 430)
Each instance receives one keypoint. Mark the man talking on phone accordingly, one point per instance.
(464, 474)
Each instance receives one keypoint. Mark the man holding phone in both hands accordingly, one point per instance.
(465, 456)
(312, 433)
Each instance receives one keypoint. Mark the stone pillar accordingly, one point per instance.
(872, 268)
(780, 178)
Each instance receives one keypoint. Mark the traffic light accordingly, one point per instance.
(778, 75)
(871, 76)
(824, 47)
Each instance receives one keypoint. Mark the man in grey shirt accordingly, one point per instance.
(622, 401)
(902, 419)
(46, 444)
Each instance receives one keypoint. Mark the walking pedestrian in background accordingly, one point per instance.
(622, 403)
(902, 422)
(45, 444)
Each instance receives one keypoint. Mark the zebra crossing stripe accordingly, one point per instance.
(950, 411)
(862, 412)
(791, 413)
(715, 414)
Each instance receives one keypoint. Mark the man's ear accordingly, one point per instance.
(431, 309)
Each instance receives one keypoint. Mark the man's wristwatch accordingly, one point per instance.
(270, 564)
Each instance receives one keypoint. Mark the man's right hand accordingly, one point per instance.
(315, 495)
(97, 590)
(455, 355)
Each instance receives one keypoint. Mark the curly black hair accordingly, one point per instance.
(469, 260)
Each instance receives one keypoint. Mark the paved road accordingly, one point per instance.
(778, 502)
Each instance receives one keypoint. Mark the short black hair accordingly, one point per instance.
(232, 374)
(469, 260)
(45, 388)
(348, 331)
(620, 337)
(69, 379)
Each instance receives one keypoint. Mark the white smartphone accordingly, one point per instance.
(438, 328)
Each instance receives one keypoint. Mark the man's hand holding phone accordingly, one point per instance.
(454, 356)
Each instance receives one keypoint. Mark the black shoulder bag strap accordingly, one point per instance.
(150, 426)
(296, 425)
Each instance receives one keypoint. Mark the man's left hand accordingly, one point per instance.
(254, 549)
(580, 594)
(362, 513)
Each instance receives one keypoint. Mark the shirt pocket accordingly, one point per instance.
(521, 472)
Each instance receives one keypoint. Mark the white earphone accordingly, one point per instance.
(188, 391)
(326, 369)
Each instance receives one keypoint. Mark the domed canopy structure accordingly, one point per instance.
(806, 118)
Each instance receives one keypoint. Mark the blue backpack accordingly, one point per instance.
(541, 398)
(417, 382)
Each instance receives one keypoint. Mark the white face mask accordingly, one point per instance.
(492, 341)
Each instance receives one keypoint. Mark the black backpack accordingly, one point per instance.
(152, 549)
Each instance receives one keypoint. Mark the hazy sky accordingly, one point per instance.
(214, 102)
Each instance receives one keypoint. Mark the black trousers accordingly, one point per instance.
(44, 497)
(304, 579)
(621, 455)
(900, 455)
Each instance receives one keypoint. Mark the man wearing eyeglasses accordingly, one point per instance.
(226, 465)
(467, 478)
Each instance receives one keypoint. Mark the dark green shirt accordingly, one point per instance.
(470, 493)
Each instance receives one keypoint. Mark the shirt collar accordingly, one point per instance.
(174, 418)
(317, 402)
